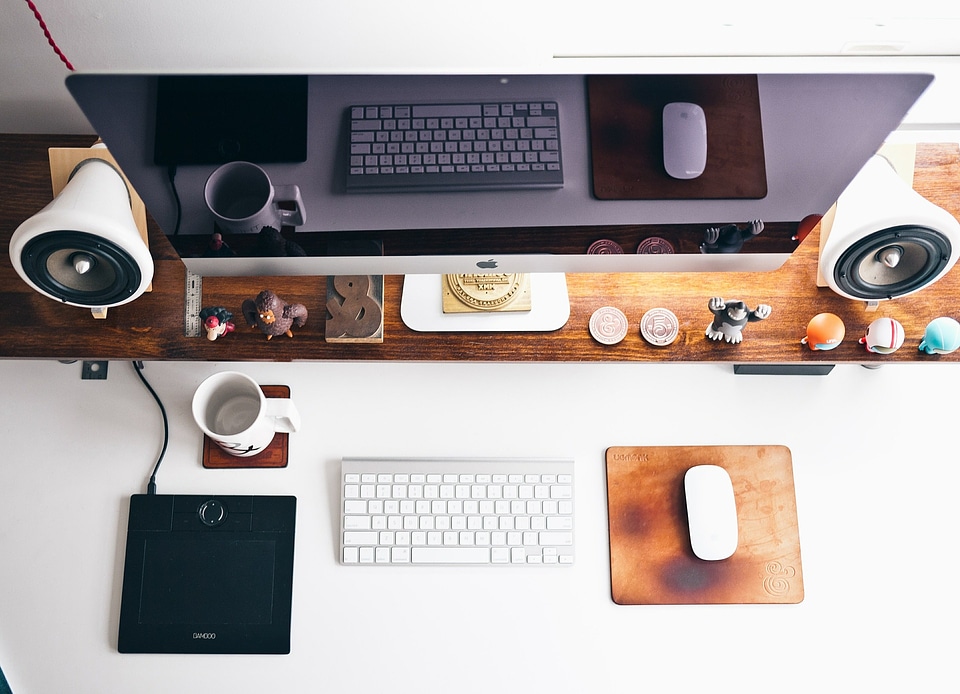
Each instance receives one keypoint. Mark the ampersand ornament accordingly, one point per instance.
(354, 313)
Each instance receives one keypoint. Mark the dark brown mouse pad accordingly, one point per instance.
(626, 137)
(651, 562)
(274, 455)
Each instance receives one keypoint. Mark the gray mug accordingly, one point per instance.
(243, 200)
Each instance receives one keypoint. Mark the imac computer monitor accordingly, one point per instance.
(779, 147)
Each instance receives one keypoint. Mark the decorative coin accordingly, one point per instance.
(487, 292)
(659, 327)
(608, 325)
(655, 245)
(605, 247)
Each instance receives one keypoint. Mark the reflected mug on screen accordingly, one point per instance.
(231, 409)
(244, 200)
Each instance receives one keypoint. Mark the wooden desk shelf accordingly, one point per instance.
(151, 327)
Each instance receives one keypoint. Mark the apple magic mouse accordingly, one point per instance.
(711, 512)
(684, 140)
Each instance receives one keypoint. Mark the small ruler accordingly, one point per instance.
(193, 296)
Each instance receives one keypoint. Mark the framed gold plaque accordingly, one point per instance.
(486, 292)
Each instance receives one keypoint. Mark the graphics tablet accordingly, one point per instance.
(208, 574)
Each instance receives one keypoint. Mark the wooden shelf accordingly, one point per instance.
(151, 327)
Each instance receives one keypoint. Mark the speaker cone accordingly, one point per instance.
(892, 262)
(80, 268)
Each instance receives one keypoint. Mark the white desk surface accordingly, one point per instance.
(876, 478)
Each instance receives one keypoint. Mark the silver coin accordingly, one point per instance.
(659, 326)
(608, 325)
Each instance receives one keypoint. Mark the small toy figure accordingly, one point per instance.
(729, 238)
(272, 315)
(216, 322)
(806, 225)
(884, 336)
(824, 331)
(941, 336)
(729, 319)
(218, 248)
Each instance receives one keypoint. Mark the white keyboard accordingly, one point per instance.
(501, 511)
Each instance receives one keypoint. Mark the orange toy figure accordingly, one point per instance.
(824, 331)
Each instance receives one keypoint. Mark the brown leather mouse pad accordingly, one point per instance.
(651, 562)
(626, 137)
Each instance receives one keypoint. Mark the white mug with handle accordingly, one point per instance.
(231, 409)
(243, 199)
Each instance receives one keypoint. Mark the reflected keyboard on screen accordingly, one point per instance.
(503, 511)
(466, 146)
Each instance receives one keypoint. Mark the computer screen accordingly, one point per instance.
(780, 147)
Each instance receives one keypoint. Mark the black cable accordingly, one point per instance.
(172, 176)
(152, 484)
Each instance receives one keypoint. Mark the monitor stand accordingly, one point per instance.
(421, 307)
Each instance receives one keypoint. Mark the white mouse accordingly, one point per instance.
(684, 139)
(711, 512)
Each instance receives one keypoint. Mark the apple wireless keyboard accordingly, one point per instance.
(456, 511)
(466, 146)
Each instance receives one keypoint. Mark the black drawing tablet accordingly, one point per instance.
(208, 574)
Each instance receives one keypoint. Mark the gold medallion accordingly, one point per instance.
(486, 292)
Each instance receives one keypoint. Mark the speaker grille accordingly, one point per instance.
(922, 254)
(81, 268)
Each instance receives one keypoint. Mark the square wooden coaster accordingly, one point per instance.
(651, 562)
(274, 455)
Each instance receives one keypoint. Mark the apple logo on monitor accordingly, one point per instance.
(487, 264)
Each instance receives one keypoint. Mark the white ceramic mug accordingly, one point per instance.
(244, 200)
(232, 410)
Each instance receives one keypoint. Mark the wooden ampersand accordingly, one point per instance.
(358, 315)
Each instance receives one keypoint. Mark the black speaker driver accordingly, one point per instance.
(892, 262)
(81, 268)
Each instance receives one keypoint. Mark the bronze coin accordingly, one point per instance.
(608, 325)
(605, 247)
(655, 245)
(659, 326)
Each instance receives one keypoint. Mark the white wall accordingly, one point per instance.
(452, 35)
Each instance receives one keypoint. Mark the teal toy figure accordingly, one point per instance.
(884, 336)
(941, 336)
(824, 331)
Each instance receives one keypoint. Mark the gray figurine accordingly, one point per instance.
(730, 317)
(729, 238)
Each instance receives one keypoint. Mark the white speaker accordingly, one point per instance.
(886, 240)
(84, 248)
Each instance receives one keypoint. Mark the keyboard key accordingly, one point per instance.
(360, 538)
(450, 555)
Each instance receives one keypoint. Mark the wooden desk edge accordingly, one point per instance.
(151, 327)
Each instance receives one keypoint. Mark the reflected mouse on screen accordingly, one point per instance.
(684, 140)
